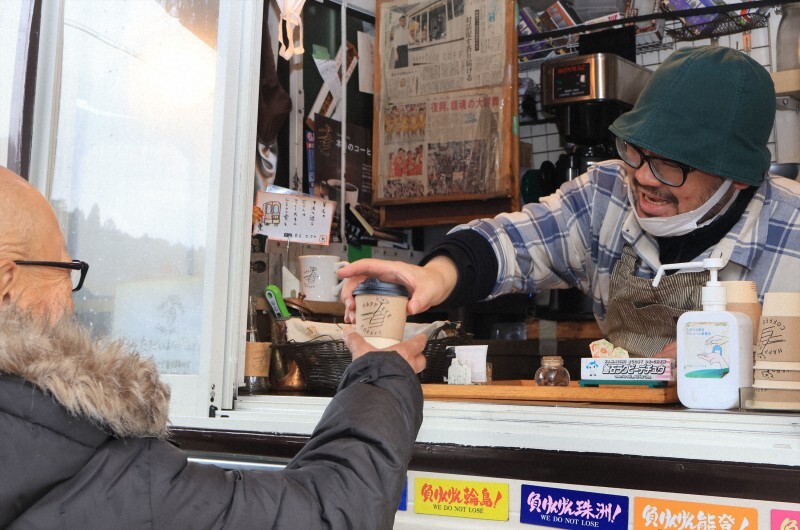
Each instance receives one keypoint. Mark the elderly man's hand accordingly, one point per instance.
(410, 350)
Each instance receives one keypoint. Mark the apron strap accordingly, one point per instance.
(642, 318)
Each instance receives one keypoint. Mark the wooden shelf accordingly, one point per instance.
(787, 83)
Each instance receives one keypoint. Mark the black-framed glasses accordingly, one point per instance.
(77, 267)
(667, 171)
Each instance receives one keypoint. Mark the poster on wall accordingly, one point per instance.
(327, 161)
(445, 75)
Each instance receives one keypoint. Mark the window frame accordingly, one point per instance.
(230, 192)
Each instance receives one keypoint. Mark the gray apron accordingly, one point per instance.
(642, 318)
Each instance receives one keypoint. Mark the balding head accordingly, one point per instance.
(29, 231)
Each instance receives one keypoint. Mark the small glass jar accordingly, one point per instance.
(552, 372)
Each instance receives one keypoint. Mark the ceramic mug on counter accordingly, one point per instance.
(318, 280)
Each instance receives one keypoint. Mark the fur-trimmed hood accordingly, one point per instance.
(103, 380)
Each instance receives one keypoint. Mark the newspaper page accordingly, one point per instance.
(440, 107)
(441, 46)
(447, 146)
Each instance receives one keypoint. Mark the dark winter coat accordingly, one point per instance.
(83, 444)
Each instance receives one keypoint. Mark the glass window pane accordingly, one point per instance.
(132, 171)
(9, 29)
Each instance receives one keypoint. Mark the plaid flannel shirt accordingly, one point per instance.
(574, 238)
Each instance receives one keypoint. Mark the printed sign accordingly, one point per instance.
(461, 498)
(295, 218)
(664, 514)
(709, 343)
(784, 520)
(560, 508)
(403, 506)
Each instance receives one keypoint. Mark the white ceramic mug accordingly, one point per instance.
(335, 193)
(318, 280)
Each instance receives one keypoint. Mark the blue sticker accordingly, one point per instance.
(560, 508)
(404, 499)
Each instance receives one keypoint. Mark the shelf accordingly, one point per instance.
(677, 30)
(570, 50)
(787, 83)
(724, 24)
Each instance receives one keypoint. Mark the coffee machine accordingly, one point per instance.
(586, 93)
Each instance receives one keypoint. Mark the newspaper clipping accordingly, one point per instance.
(441, 98)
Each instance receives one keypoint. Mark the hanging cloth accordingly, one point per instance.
(274, 103)
(291, 10)
(641, 318)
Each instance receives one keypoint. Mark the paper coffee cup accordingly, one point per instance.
(777, 396)
(789, 376)
(381, 312)
(742, 297)
(781, 304)
(778, 337)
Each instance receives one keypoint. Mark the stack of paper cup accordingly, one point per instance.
(777, 355)
(743, 297)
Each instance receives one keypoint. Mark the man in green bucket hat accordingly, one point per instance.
(692, 183)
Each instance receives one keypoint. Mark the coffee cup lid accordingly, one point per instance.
(375, 286)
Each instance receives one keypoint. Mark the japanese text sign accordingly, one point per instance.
(784, 520)
(297, 218)
(561, 508)
(461, 498)
(664, 514)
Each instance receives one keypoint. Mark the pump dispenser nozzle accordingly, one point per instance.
(713, 296)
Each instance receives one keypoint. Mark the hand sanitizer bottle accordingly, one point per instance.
(714, 354)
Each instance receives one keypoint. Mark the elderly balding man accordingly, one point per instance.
(84, 422)
(35, 270)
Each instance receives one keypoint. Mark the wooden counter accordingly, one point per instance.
(526, 391)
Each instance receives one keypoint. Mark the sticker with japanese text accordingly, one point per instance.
(403, 506)
(461, 498)
(664, 514)
(560, 508)
(784, 520)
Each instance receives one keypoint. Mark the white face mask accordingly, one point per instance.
(682, 223)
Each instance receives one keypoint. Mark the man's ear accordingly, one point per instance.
(740, 185)
(9, 273)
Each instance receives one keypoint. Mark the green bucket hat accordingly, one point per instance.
(709, 107)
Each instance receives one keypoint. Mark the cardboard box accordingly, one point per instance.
(639, 369)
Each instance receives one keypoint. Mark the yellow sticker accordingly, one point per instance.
(461, 498)
(661, 514)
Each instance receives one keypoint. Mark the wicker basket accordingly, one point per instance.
(323, 361)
